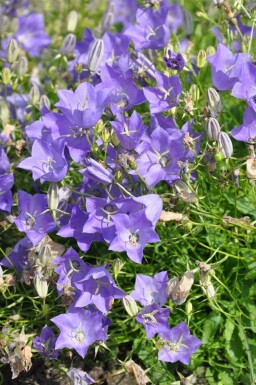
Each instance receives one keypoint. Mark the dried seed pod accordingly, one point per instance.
(251, 168)
(212, 128)
(225, 145)
(181, 289)
(95, 55)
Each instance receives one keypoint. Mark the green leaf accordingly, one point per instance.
(211, 326)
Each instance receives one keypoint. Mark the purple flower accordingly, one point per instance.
(133, 233)
(48, 161)
(165, 95)
(151, 30)
(154, 319)
(6, 182)
(18, 257)
(30, 34)
(79, 329)
(123, 94)
(84, 107)
(33, 218)
(79, 377)
(129, 131)
(96, 172)
(45, 344)
(245, 88)
(177, 344)
(149, 290)
(97, 287)
(174, 61)
(247, 131)
(157, 161)
(227, 67)
(70, 268)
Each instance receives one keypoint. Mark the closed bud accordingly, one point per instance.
(72, 21)
(34, 95)
(108, 18)
(4, 111)
(6, 75)
(210, 50)
(68, 44)
(130, 305)
(212, 129)
(189, 308)
(213, 100)
(4, 22)
(53, 197)
(22, 67)
(117, 266)
(218, 2)
(114, 140)
(12, 51)
(95, 55)
(201, 59)
(194, 92)
(44, 102)
(41, 286)
(225, 145)
(187, 22)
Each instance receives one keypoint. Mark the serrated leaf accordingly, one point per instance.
(225, 378)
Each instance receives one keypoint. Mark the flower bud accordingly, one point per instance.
(6, 75)
(130, 305)
(41, 286)
(72, 21)
(95, 55)
(218, 2)
(34, 95)
(187, 22)
(68, 44)
(201, 58)
(4, 21)
(22, 67)
(44, 102)
(213, 100)
(210, 50)
(53, 197)
(189, 308)
(212, 129)
(108, 18)
(194, 92)
(12, 51)
(117, 266)
(4, 111)
(225, 145)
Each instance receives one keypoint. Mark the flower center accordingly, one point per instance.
(80, 336)
(164, 161)
(77, 132)
(133, 239)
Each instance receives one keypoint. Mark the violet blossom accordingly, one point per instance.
(149, 290)
(45, 344)
(154, 319)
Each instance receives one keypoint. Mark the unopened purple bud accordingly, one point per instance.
(213, 100)
(12, 51)
(212, 129)
(44, 102)
(108, 18)
(187, 22)
(68, 44)
(96, 55)
(225, 145)
(72, 21)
